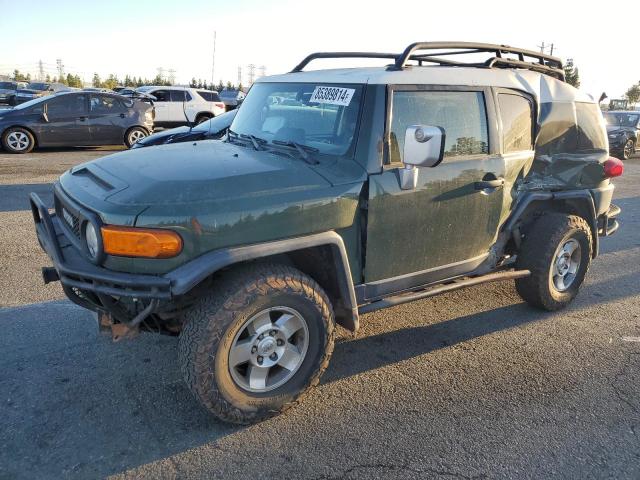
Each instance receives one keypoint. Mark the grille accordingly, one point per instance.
(71, 220)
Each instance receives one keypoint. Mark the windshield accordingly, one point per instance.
(622, 119)
(8, 85)
(323, 117)
(38, 86)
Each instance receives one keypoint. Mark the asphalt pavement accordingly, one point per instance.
(468, 385)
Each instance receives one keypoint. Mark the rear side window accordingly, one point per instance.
(105, 104)
(209, 96)
(161, 95)
(462, 115)
(516, 113)
(591, 127)
(180, 96)
(67, 106)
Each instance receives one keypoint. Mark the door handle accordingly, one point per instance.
(82, 118)
(122, 115)
(484, 184)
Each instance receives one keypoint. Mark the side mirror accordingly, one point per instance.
(423, 147)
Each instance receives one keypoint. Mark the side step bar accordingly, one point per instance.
(430, 292)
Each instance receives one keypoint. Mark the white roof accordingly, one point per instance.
(543, 87)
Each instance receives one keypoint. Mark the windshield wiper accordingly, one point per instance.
(257, 142)
(301, 148)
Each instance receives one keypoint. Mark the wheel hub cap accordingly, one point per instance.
(566, 264)
(268, 349)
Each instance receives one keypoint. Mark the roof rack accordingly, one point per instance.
(527, 59)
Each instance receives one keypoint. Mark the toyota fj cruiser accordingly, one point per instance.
(336, 193)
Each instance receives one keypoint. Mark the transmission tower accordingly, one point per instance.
(161, 73)
(172, 76)
(263, 71)
(239, 75)
(252, 73)
(40, 71)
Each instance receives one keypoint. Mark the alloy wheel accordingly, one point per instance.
(18, 141)
(566, 264)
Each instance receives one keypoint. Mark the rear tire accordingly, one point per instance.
(557, 250)
(18, 140)
(237, 352)
(134, 135)
(203, 118)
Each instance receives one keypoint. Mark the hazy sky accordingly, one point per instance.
(137, 37)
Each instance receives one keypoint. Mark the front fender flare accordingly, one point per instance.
(187, 276)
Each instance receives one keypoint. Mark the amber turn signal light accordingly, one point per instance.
(140, 242)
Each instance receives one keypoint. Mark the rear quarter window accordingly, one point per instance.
(209, 96)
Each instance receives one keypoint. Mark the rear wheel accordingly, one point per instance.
(629, 149)
(18, 140)
(203, 118)
(135, 134)
(257, 343)
(557, 251)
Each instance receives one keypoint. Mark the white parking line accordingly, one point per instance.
(631, 339)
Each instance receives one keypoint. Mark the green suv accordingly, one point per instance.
(336, 193)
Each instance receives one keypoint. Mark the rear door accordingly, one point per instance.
(67, 120)
(181, 107)
(446, 225)
(108, 119)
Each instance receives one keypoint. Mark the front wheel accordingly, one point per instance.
(253, 346)
(134, 135)
(18, 140)
(557, 250)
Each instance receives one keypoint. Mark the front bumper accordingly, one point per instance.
(86, 284)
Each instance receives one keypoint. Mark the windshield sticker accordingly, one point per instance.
(332, 95)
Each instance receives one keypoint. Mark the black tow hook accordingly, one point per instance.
(50, 274)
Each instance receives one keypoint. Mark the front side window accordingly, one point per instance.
(66, 106)
(321, 116)
(622, 119)
(161, 95)
(516, 113)
(462, 115)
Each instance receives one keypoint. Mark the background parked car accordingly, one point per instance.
(232, 98)
(36, 90)
(177, 106)
(8, 91)
(623, 129)
(75, 119)
(212, 129)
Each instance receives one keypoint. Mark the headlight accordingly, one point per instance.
(91, 239)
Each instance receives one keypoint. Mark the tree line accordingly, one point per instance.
(70, 80)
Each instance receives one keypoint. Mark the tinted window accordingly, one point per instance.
(461, 114)
(180, 96)
(516, 113)
(557, 132)
(104, 104)
(67, 106)
(591, 127)
(8, 85)
(161, 95)
(209, 96)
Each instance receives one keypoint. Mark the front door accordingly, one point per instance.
(162, 105)
(67, 121)
(445, 226)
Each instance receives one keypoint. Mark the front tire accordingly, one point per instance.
(18, 140)
(557, 250)
(257, 343)
(203, 118)
(134, 135)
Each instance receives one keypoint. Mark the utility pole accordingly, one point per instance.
(40, 71)
(213, 60)
(60, 67)
(544, 47)
(252, 73)
(541, 47)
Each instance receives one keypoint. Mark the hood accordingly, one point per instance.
(159, 138)
(183, 173)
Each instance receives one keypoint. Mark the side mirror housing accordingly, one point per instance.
(423, 146)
